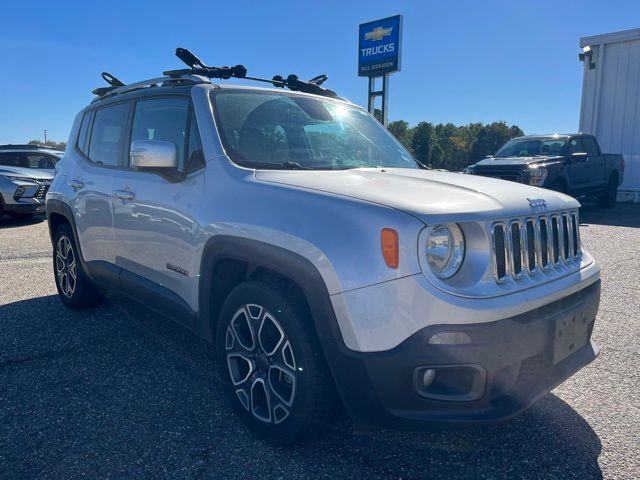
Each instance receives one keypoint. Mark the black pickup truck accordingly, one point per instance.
(572, 164)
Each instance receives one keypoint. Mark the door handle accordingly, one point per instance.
(75, 184)
(124, 194)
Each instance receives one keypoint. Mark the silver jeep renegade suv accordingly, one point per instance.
(329, 269)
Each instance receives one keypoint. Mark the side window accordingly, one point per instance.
(575, 145)
(162, 119)
(195, 155)
(107, 134)
(590, 146)
(41, 160)
(83, 133)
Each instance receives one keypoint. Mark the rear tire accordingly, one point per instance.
(609, 197)
(271, 364)
(74, 287)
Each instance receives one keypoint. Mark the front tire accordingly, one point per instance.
(609, 197)
(74, 287)
(272, 365)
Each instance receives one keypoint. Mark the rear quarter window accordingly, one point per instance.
(83, 133)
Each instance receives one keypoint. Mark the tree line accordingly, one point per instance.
(51, 144)
(448, 146)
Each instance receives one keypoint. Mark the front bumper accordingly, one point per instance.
(34, 207)
(510, 363)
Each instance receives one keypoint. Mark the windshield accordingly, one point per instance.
(272, 130)
(533, 147)
(34, 160)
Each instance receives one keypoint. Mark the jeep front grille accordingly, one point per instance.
(524, 247)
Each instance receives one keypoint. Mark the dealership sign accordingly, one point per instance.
(379, 47)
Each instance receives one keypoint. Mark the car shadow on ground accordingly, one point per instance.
(621, 215)
(119, 392)
(8, 222)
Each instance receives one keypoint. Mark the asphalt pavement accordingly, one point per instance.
(119, 392)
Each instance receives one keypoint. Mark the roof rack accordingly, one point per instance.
(198, 72)
(104, 92)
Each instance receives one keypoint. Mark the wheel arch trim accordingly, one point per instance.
(256, 255)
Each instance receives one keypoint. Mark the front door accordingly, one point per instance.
(155, 228)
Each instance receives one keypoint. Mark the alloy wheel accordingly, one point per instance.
(66, 270)
(261, 364)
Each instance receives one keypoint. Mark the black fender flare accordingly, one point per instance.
(257, 254)
(60, 208)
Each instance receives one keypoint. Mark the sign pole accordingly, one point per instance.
(383, 94)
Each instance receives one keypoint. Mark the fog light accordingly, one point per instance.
(449, 338)
(19, 193)
(428, 377)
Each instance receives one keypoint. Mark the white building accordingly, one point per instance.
(611, 100)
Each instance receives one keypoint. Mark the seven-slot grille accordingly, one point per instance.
(523, 247)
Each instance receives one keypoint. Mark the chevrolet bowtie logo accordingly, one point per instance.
(378, 33)
(537, 203)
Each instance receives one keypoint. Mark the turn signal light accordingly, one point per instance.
(389, 244)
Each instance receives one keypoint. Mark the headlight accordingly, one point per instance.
(21, 179)
(445, 250)
(537, 176)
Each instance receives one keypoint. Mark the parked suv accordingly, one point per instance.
(329, 269)
(571, 164)
(26, 171)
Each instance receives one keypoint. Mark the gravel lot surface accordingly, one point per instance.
(118, 392)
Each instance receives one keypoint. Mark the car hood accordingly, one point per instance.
(502, 161)
(27, 172)
(429, 195)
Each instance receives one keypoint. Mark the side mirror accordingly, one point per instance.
(579, 156)
(154, 154)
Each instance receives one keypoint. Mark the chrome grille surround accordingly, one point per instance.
(555, 244)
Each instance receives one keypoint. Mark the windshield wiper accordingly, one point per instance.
(289, 165)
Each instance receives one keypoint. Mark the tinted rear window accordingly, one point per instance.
(590, 146)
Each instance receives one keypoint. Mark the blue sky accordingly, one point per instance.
(463, 61)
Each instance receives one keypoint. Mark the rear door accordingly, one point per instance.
(155, 228)
(100, 148)
(578, 167)
(595, 164)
